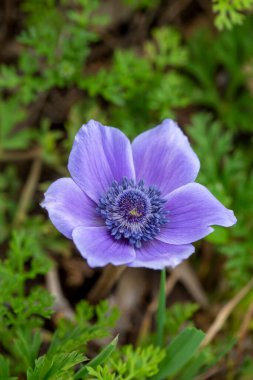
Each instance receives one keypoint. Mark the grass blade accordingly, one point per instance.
(99, 359)
(179, 352)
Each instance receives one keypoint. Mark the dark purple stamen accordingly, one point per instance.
(132, 211)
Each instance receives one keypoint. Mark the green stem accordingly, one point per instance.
(161, 309)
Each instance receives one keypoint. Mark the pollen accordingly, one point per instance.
(134, 212)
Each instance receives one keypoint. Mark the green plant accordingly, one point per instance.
(141, 88)
(52, 83)
(229, 175)
(230, 12)
(217, 79)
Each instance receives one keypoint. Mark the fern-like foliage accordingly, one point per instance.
(217, 80)
(229, 176)
(141, 88)
(130, 363)
(230, 12)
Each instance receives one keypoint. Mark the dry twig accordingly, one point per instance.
(242, 334)
(107, 280)
(28, 191)
(188, 277)
(245, 323)
(61, 305)
(225, 313)
(15, 155)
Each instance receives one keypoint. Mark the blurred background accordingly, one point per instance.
(130, 64)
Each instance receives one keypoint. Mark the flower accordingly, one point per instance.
(134, 204)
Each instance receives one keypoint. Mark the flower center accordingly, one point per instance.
(132, 211)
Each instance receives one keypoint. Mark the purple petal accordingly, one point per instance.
(68, 207)
(99, 156)
(99, 248)
(164, 157)
(192, 210)
(158, 255)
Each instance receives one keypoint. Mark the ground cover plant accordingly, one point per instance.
(128, 64)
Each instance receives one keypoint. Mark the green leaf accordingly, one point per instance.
(229, 13)
(178, 316)
(130, 363)
(192, 369)
(54, 367)
(179, 352)
(99, 359)
(28, 345)
(5, 369)
(10, 115)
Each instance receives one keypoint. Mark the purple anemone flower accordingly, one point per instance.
(134, 204)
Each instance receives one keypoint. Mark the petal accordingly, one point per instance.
(164, 157)
(100, 155)
(68, 207)
(156, 254)
(99, 248)
(192, 210)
